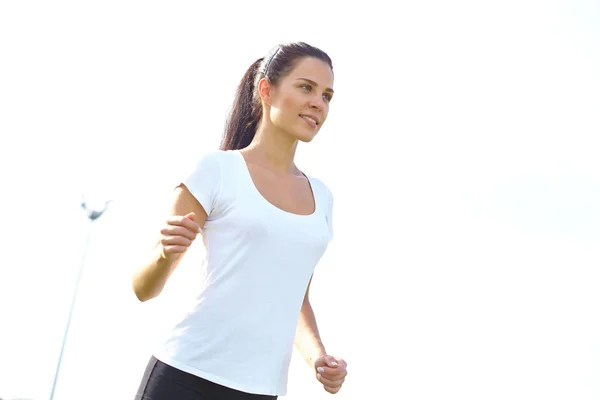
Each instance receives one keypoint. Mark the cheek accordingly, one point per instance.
(289, 105)
(325, 113)
(287, 110)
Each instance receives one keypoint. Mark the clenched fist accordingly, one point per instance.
(331, 372)
(178, 235)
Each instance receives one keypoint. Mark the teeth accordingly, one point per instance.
(309, 119)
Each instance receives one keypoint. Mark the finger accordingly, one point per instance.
(340, 361)
(326, 361)
(330, 382)
(191, 216)
(174, 249)
(169, 240)
(332, 362)
(332, 390)
(174, 230)
(331, 379)
(330, 372)
(185, 222)
(329, 361)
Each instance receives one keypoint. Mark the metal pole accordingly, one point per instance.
(92, 216)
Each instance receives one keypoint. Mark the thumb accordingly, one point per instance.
(330, 360)
(326, 360)
(191, 216)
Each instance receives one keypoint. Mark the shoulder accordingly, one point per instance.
(206, 167)
(321, 188)
(214, 159)
(211, 156)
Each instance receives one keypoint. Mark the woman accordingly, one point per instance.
(264, 224)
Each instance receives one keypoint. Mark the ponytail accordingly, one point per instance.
(245, 114)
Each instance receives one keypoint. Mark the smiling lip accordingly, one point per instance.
(315, 119)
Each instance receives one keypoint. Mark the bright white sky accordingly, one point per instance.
(462, 149)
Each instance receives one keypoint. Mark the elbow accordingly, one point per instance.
(142, 293)
(140, 296)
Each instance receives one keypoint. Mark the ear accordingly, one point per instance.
(264, 90)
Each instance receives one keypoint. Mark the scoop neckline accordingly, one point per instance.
(259, 194)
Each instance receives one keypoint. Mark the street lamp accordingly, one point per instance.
(93, 213)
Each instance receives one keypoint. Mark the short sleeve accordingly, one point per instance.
(204, 180)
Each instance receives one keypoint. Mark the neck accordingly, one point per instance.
(273, 148)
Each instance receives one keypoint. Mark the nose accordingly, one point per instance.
(317, 102)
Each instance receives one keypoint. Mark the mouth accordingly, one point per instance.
(312, 121)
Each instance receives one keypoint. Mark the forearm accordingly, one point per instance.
(150, 279)
(308, 341)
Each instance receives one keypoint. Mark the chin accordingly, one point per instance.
(305, 136)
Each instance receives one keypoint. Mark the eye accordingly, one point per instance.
(306, 87)
(327, 97)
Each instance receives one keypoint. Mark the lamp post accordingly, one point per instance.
(92, 214)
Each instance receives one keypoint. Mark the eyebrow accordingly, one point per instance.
(314, 84)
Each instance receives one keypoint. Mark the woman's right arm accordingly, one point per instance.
(182, 226)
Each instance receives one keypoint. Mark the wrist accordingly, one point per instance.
(164, 260)
(315, 356)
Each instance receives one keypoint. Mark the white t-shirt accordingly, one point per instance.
(240, 330)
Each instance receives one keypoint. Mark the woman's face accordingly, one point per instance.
(300, 101)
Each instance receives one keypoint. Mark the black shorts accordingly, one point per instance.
(164, 382)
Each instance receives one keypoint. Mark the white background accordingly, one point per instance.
(462, 149)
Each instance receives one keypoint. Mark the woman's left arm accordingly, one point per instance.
(329, 370)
